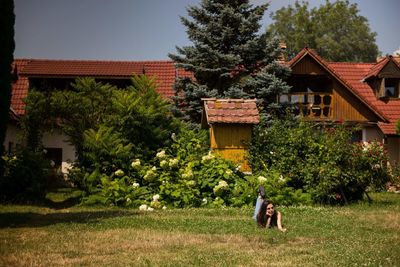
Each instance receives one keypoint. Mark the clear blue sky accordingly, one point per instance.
(143, 29)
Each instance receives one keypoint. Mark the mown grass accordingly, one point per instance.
(357, 235)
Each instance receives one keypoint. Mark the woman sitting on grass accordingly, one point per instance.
(268, 217)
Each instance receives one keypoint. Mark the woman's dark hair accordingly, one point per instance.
(262, 216)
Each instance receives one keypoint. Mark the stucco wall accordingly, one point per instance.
(372, 134)
(393, 147)
(392, 143)
(56, 139)
(13, 135)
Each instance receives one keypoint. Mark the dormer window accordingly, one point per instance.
(384, 77)
(391, 87)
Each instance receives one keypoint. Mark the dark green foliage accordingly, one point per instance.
(142, 117)
(398, 127)
(26, 176)
(7, 20)
(320, 160)
(34, 122)
(228, 59)
(82, 108)
(335, 30)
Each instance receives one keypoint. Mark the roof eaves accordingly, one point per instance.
(320, 61)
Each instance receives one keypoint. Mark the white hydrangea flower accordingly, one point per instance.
(161, 154)
(173, 137)
(221, 185)
(143, 207)
(207, 158)
(164, 164)
(135, 164)
(188, 174)
(135, 185)
(173, 163)
(164, 208)
(150, 209)
(119, 173)
(150, 174)
(261, 179)
(204, 200)
(156, 197)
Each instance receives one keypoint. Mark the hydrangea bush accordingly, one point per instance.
(184, 174)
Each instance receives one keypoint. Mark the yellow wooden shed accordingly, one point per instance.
(230, 122)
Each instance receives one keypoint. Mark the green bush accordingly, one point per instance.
(26, 176)
(319, 159)
(184, 174)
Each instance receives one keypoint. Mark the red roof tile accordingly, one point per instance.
(164, 73)
(354, 74)
(19, 87)
(376, 68)
(231, 111)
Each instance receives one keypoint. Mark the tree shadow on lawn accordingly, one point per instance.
(31, 219)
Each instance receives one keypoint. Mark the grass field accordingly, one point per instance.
(357, 235)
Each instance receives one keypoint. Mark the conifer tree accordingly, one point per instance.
(228, 58)
(7, 45)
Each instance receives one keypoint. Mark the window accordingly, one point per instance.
(55, 155)
(391, 87)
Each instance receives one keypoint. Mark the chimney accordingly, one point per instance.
(282, 56)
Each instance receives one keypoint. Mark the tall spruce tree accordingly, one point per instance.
(229, 58)
(7, 45)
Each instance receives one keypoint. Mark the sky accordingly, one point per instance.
(144, 29)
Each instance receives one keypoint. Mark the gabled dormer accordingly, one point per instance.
(384, 78)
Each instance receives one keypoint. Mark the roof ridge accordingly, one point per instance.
(95, 60)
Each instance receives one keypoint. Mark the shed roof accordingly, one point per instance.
(230, 111)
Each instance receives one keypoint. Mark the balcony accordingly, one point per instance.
(311, 105)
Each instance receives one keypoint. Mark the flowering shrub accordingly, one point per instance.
(278, 189)
(319, 160)
(185, 174)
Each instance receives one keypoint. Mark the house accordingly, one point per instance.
(365, 94)
(230, 122)
(43, 74)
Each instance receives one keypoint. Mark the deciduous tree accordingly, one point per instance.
(335, 30)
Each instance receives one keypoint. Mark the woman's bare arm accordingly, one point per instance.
(279, 222)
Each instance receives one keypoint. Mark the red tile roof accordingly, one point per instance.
(20, 87)
(164, 73)
(230, 111)
(376, 68)
(352, 76)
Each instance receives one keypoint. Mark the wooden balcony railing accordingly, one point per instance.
(314, 105)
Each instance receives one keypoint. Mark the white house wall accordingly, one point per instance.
(372, 134)
(13, 137)
(392, 143)
(56, 139)
(393, 147)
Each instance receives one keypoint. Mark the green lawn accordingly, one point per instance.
(357, 235)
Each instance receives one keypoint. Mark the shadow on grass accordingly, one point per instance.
(31, 219)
